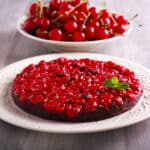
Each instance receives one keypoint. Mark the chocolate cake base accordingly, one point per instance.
(100, 114)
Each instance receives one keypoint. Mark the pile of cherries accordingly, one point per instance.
(73, 20)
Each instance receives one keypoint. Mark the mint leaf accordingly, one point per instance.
(114, 80)
(108, 83)
(115, 84)
(123, 86)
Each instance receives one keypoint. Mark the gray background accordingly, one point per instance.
(135, 47)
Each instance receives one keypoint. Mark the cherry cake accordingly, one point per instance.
(76, 90)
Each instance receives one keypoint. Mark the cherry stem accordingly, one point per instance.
(137, 23)
(76, 6)
(104, 4)
(41, 8)
(133, 19)
(113, 19)
(59, 17)
(135, 16)
(102, 22)
(87, 17)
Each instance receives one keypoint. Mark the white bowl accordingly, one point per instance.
(70, 46)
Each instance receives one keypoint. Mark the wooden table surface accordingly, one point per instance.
(135, 47)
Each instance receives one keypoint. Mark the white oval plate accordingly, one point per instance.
(10, 113)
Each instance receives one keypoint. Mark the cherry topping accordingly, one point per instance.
(50, 105)
(60, 107)
(37, 99)
(73, 110)
(76, 90)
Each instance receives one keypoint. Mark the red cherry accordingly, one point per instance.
(101, 34)
(106, 21)
(80, 16)
(83, 7)
(47, 12)
(81, 26)
(54, 15)
(67, 37)
(121, 20)
(55, 34)
(104, 13)
(120, 29)
(55, 4)
(95, 23)
(115, 16)
(28, 25)
(71, 26)
(34, 9)
(64, 15)
(45, 23)
(90, 32)
(42, 33)
(65, 6)
(78, 36)
(37, 22)
(75, 2)
(94, 12)
(111, 33)
(112, 24)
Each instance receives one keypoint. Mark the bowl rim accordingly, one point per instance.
(22, 19)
